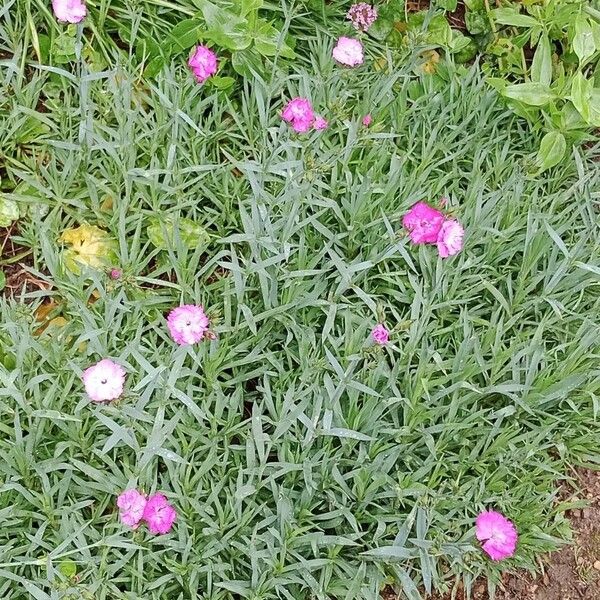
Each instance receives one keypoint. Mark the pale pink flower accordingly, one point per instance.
(104, 380)
(367, 120)
(380, 334)
(187, 324)
(348, 52)
(450, 238)
(320, 123)
(159, 514)
(131, 507)
(116, 273)
(498, 534)
(362, 15)
(69, 11)
(299, 113)
(423, 223)
(203, 63)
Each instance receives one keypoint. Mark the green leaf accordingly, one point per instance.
(581, 90)
(162, 234)
(382, 27)
(9, 211)
(222, 83)
(541, 66)
(390, 553)
(510, 16)
(249, 6)
(552, 149)
(183, 36)
(449, 5)
(225, 28)
(2, 280)
(594, 105)
(268, 42)
(68, 568)
(583, 42)
(534, 94)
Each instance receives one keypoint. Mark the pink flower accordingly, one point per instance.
(423, 223)
(366, 120)
(116, 273)
(362, 15)
(69, 11)
(131, 507)
(104, 380)
(187, 324)
(299, 113)
(349, 52)
(450, 238)
(203, 63)
(498, 534)
(320, 123)
(159, 514)
(380, 334)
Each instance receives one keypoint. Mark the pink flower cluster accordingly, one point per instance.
(203, 63)
(348, 52)
(299, 113)
(362, 16)
(498, 534)
(188, 324)
(156, 511)
(69, 11)
(104, 381)
(380, 334)
(427, 225)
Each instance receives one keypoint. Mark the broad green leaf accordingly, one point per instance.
(583, 42)
(162, 233)
(268, 42)
(222, 83)
(68, 568)
(183, 36)
(9, 211)
(541, 66)
(594, 105)
(449, 5)
(225, 28)
(510, 16)
(581, 90)
(534, 94)
(552, 149)
(248, 6)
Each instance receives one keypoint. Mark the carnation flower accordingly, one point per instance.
(380, 334)
(69, 11)
(320, 123)
(450, 238)
(187, 324)
(367, 120)
(203, 63)
(104, 380)
(299, 113)
(498, 534)
(348, 52)
(423, 223)
(159, 514)
(362, 15)
(131, 507)
(116, 273)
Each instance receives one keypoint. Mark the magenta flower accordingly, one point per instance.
(348, 52)
(367, 120)
(116, 273)
(187, 324)
(203, 63)
(423, 223)
(104, 380)
(498, 534)
(320, 123)
(131, 507)
(159, 514)
(380, 334)
(450, 238)
(69, 11)
(299, 113)
(362, 15)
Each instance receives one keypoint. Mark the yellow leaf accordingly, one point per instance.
(89, 245)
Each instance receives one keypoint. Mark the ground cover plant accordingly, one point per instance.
(358, 390)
